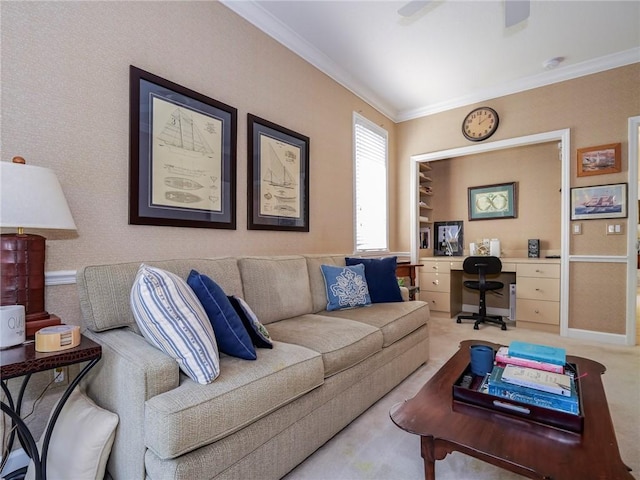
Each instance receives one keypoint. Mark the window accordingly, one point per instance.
(370, 161)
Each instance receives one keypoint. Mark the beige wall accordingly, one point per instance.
(536, 171)
(596, 108)
(65, 105)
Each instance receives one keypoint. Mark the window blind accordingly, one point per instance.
(370, 158)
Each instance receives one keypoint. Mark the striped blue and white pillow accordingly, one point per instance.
(172, 318)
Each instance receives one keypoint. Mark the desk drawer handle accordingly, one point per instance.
(435, 267)
(537, 311)
(538, 289)
(436, 282)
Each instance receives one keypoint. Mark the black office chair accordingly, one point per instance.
(482, 266)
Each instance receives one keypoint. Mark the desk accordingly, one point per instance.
(537, 288)
(23, 361)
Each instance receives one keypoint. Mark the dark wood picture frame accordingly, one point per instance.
(490, 202)
(278, 177)
(448, 238)
(182, 158)
(599, 160)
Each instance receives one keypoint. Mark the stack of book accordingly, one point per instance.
(534, 374)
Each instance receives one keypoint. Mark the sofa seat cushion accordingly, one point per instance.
(342, 343)
(396, 319)
(193, 415)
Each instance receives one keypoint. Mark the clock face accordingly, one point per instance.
(480, 124)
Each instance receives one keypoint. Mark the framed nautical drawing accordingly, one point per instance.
(599, 160)
(599, 201)
(182, 168)
(492, 201)
(278, 177)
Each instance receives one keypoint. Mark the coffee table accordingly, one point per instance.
(515, 444)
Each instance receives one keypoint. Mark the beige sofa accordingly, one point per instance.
(258, 419)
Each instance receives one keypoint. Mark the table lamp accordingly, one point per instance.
(31, 197)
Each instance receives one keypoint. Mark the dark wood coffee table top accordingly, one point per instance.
(515, 444)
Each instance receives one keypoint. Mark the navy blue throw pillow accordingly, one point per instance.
(381, 278)
(258, 333)
(231, 336)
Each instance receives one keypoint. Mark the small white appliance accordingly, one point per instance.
(12, 327)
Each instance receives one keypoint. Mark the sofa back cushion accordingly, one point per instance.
(276, 287)
(316, 279)
(104, 290)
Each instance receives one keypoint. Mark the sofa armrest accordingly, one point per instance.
(130, 372)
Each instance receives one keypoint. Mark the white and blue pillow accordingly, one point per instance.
(231, 335)
(257, 331)
(171, 318)
(346, 287)
(381, 278)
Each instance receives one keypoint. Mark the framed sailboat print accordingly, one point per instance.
(278, 177)
(182, 169)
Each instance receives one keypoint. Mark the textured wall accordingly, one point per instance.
(65, 105)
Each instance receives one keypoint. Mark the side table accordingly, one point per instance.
(23, 361)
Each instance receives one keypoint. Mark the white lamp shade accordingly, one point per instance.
(32, 198)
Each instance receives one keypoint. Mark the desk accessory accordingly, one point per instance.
(57, 337)
(534, 248)
(12, 329)
(31, 197)
(481, 360)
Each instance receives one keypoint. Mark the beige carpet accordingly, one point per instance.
(372, 447)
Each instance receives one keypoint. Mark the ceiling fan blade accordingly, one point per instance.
(516, 11)
(411, 8)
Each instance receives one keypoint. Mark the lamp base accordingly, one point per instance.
(22, 282)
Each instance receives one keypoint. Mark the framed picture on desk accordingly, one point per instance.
(448, 239)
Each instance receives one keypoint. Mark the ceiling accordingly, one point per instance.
(450, 53)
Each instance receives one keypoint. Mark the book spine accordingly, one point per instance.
(563, 404)
(543, 387)
(541, 353)
(499, 387)
(525, 362)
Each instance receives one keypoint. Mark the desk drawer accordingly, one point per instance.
(538, 311)
(538, 288)
(438, 302)
(433, 266)
(435, 282)
(539, 270)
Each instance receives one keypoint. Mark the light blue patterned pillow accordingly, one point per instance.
(346, 286)
(171, 317)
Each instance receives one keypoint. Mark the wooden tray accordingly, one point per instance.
(533, 413)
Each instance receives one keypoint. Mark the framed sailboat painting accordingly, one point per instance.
(182, 169)
(278, 177)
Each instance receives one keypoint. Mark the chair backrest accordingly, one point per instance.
(477, 264)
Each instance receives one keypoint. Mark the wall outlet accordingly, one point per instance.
(577, 229)
(614, 229)
(61, 375)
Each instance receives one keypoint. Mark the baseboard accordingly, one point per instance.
(490, 310)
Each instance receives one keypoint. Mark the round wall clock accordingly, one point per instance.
(480, 124)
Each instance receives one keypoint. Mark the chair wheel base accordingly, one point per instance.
(458, 320)
(476, 327)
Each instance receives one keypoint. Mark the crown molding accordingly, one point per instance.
(252, 12)
(562, 74)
